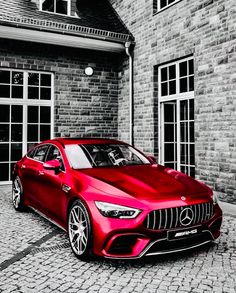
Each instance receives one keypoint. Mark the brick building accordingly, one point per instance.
(182, 98)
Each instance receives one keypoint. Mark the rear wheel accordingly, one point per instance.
(17, 194)
(79, 230)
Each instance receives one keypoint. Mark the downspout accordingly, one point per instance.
(129, 53)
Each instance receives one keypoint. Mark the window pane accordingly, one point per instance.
(183, 84)
(163, 3)
(172, 73)
(48, 5)
(33, 92)
(45, 93)
(183, 68)
(169, 132)
(184, 110)
(17, 114)
(17, 92)
(164, 90)
(169, 115)
(192, 172)
(4, 113)
(16, 132)
(192, 154)
(191, 83)
(16, 151)
(4, 132)
(45, 80)
(184, 154)
(4, 91)
(33, 78)
(17, 77)
(32, 132)
(172, 87)
(44, 132)
(169, 152)
(4, 152)
(45, 115)
(171, 1)
(33, 115)
(191, 66)
(4, 173)
(4, 76)
(61, 7)
(170, 165)
(183, 131)
(191, 109)
(184, 169)
(164, 74)
(191, 130)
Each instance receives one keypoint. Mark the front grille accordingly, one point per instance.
(170, 218)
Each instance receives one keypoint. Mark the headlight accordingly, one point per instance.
(116, 211)
(215, 199)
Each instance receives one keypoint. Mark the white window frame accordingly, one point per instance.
(171, 98)
(25, 102)
(168, 5)
(68, 8)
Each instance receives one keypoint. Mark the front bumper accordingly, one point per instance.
(134, 241)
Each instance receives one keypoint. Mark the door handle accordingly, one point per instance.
(41, 173)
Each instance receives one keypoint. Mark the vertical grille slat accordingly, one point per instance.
(169, 218)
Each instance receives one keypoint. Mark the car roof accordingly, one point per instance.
(84, 140)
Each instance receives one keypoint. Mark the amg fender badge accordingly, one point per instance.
(66, 188)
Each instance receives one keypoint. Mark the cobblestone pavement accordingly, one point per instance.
(35, 257)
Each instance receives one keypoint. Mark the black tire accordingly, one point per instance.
(17, 195)
(80, 231)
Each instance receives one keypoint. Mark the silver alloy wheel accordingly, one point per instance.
(16, 193)
(78, 230)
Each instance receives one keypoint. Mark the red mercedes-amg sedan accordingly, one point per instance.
(113, 200)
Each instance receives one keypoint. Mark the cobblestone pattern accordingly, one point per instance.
(206, 30)
(52, 267)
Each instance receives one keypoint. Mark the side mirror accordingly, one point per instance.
(152, 159)
(52, 165)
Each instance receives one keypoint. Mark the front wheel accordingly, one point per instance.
(17, 194)
(79, 230)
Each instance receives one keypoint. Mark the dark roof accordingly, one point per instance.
(92, 14)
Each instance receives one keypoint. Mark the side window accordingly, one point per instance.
(40, 153)
(30, 154)
(55, 154)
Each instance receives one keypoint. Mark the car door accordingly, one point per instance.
(51, 195)
(31, 170)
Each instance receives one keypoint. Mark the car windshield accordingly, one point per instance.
(103, 155)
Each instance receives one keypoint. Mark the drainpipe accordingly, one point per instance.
(129, 53)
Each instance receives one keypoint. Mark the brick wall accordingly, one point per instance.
(206, 29)
(83, 105)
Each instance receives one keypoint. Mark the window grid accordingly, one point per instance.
(159, 5)
(55, 6)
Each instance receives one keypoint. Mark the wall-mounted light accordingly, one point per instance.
(88, 71)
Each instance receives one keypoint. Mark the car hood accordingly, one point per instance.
(150, 182)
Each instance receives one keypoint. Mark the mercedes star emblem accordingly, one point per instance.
(183, 197)
(186, 216)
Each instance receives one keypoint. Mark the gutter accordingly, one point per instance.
(129, 53)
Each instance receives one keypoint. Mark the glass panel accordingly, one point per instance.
(45, 80)
(33, 92)
(184, 110)
(45, 93)
(183, 68)
(191, 130)
(191, 83)
(17, 77)
(48, 5)
(164, 90)
(16, 132)
(4, 113)
(32, 132)
(192, 154)
(169, 152)
(172, 73)
(30, 145)
(170, 165)
(17, 92)
(183, 169)
(184, 154)
(191, 66)
(169, 132)
(172, 87)
(45, 115)
(171, 1)
(33, 78)
(169, 114)
(4, 152)
(44, 132)
(4, 76)
(17, 114)
(33, 115)
(192, 172)
(164, 74)
(40, 153)
(191, 109)
(4, 132)
(183, 84)
(163, 3)
(183, 131)
(4, 172)
(61, 7)
(4, 91)
(16, 151)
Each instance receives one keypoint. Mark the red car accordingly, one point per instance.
(113, 201)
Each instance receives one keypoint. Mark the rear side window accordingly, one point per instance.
(40, 153)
